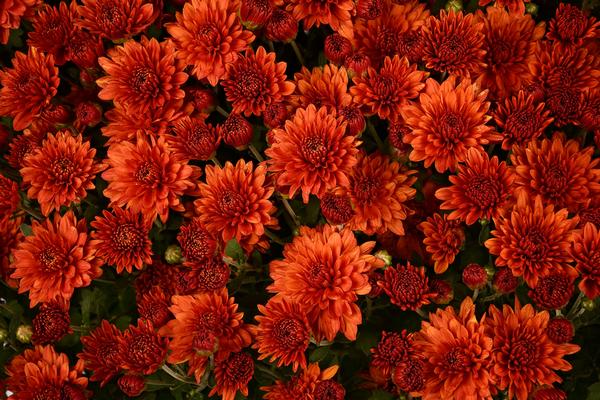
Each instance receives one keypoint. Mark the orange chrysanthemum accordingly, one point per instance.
(27, 87)
(209, 35)
(457, 355)
(11, 12)
(61, 171)
(407, 286)
(52, 30)
(323, 86)
(147, 178)
(121, 239)
(116, 19)
(234, 203)
(10, 236)
(154, 307)
(586, 253)
(521, 119)
(55, 259)
(197, 244)
(283, 332)
(532, 240)
(514, 6)
(510, 42)
(386, 91)
(453, 43)
(443, 240)
(143, 349)
(193, 138)
(479, 190)
(335, 13)
(51, 323)
(379, 189)
(572, 26)
(142, 76)
(302, 386)
(9, 197)
(522, 354)
(233, 374)
(447, 120)
(256, 81)
(394, 32)
(205, 324)
(392, 349)
(102, 353)
(312, 153)
(558, 170)
(324, 270)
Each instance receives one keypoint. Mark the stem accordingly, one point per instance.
(271, 47)
(267, 371)
(475, 294)
(176, 376)
(255, 153)
(216, 162)
(156, 383)
(80, 329)
(491, 297)
(34, 213)
(106, 281)
(576, 305)
(375, 136)
(274, 237)
(423, 314)
(288, 208)
(222, 112)
(297, 51)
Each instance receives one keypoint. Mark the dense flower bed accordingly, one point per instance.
(299, 199)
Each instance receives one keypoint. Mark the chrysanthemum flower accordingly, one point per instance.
(204, 324)
(554, 291)
(209, 276)
(147, 178)
(132, 385)
(281, 26)
(312, 154)
(510, 42)
(521, 119)
(407, 286)
(391, 350)
(197, 244)
(504, 281)
(9, 196)
(27, 87)
(387, 35)
(514, 6)
(142, 75)
(523, 355)
(10, 236)
(386, 91)
(443, 240)
(255, 13)
(116, 19)
(51, 323)
(302, 386)
(586, 253)
(590, 112)
(102, 352)
(15, 370)
(560, 330)
(453, 43)
(11, 12)
(121, 239)
(480, 189)
(409, 376)
(558, 170)
(143, 349)
(532, 240)
(52, 30)
(324, 270)
(379, 188)
(336, 48)
(283, 333)
(236, 131)
(209, 35)
(193, 138)
(447, 120)
(84, 48)
(154, 307)
(335, 13)
(61, 171)
(20, 147)
(457, 355)
(255, 81)
(323, 86)
(572, 26)
(232, 375)
(337, 209)
(55, 259)
(234, 203)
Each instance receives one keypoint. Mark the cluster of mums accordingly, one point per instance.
(412, 130)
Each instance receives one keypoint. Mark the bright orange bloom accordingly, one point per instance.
(510, 42)
(386, 91)
(146, 177)
(143, 349)
(324, 270)
(558, 170)
(312, 153)
(256, 81)
(443, 240)
(233, 374)
(532, 240)
(52, 30)
(514, 6)
(55, 259)
(335, 13)
(447, 120)
(42, 373)
(394, 32)
(11, 12)
(234, 203)
(302, 386)
(521, 119)
(480, 190)
(209, 35)
(193, 138)
(572, 26)
(523, 355)
(204, 324)
(61, 171)
(457, 355)
(9, 196)
(102, 352)
(379, 189)
(20, 147)
(10, 236)
(586, 253)
(121, 239)
(27, 87)
(322, 86)
(283, 332)
(116, 19)
(407, 286)
(453, 43)
(142, 76)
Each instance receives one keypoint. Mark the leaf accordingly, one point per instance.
(594, 391)
(26, 229)
(366, 340)
(234, 251)
(319, 354)
(381, 395)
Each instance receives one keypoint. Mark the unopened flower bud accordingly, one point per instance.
(24, 333)
(173, 254)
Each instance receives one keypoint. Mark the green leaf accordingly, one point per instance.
(234, 251)
(594, 391)
(319, 354)
(26, 229)
(381, 395)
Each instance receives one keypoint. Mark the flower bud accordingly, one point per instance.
(357, 64)
(504, 281)
(474, 276)
(355, 120)
(173, 254)
(337, 48)
(442, 289)
(337, 209)
(24, 333)
(87, 113)
(203, 99)
(255, 13)
(3, 334)
(532, 8)
(275, 115)
(454, 5)
(236, 131)
(132, 385)
(560, 330)
(281, 27)
(588, 304)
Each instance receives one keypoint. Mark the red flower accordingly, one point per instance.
(236, 131)
(409, 376)
(154, 307)
(337, 48)
(52, 30)
(443, 239)
(197, 244)
(586, 253)
(554, 291)
(392, 349)
(116, 19)
(407, 286)
(560, 330)
(193, 138)
(572, 26)
(302, 386)
(233, 374)
(254, 13)
(84, 48)
(11, 12)
(209, 276)
(102, 352)
(281, 26)
(337, 209)
(504, 281)
(474, 276)
(10, 236)
(9, 197)
(143, 349)
(323, 86)
(132, 385)
(335, 13)
(51, 323)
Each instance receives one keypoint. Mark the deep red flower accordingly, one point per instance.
(209, 276)
(474, 276)
(409, 376)
(10, 236)
(102, 352)
(84, 48)
(9, 197)
(143, 349)
(154, 307)
(192, 138)
(407, 286)
(255, 13)
(444, 293)
(52, 30)
(560, 330)
(337, 209)
(236, 131)
(369, 9)
(275, 115)
(51, 323)
(197, 244)
(392, 349)
(553, 292)
(572, 26)
(504, 281)
(132, 385)
(335, 13)
(116, 19)
(585, 251)
(443, 240)
(87, 114)
(337, 48)
(329, 390)
(233, 374)
(281, 26)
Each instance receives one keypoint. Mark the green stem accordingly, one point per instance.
(475, 294)
(34, 213)
(423, 314)
(267, 371)
(274, 237)
(156, 383)
(216, 162)
(255, 153)
(297, 52)
(176, 376)
(576, 306)
(222, 112)
(375, 136)
(106, 281)
(288, 208)
(491, 297)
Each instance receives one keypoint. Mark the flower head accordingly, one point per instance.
(84, 48)
(407, 286)
(392, 349)
(197, 244)
(154, 307)
(323, 87)
(11, 13)
(232, 374)
(337, 48)
(586, 253)
(10, 236)
(335, 13)
(474, 276)
(51, 323)
(560, 330)
(9, 196)
(236, 131)
(52, 30)
(504, 281)
(443, 238)
(281, 26)
(143, 349)
(132, 385)
(337, 209)
(116, 19)
(571, 26)
(303, 385)
(102, 352)
(553, 292)
(192, 138)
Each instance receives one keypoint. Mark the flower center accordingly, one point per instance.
(315, 151)
(387, 41)
(457, 359)
(142, 346)
(499, 53)
(572, 23)
(289, 333)
(62, 169)
(366, 189)
(127, 237)
(110, 16)
(554, 181)
(232, 203)
(534, 246)
(452, 49)
(524, 353)
(205, 342)
(250, 84)
(109, 353)
(383, 86)
(147, 173)
(47, 393)
(452, 128)
(51, 259)
(240, 368)
(317, 274)
(483, 191)
(145, 81)
(208, 35)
